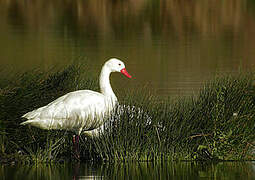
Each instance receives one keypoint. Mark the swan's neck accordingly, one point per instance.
(105, 85)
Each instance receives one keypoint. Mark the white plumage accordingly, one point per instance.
(75, 111)
(82, 110)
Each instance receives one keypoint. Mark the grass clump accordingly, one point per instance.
(29, 91)
(216, 124)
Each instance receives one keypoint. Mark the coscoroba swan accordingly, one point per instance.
(82, 110)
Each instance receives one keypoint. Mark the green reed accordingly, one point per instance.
(215, 124)
(32, 90)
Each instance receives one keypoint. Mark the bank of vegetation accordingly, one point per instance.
(217, 123)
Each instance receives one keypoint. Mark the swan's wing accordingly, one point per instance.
(71, 111)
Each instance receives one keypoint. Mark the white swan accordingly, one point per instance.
(82, 110)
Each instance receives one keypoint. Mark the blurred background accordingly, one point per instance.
(170, 46)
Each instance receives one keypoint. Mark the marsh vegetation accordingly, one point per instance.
(217, 123)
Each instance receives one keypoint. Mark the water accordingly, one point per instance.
(146, 171)
(173, 47)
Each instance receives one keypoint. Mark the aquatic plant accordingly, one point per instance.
(215, 124)
(31, 90)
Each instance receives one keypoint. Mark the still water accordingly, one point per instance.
(145, 171)
(170, 46)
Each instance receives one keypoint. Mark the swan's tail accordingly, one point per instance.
(31, 117)
(27, 122)
(31, 114)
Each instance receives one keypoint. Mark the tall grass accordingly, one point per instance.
(215, 124)
(32, 90)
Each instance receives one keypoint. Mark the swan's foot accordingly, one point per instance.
(76, 150)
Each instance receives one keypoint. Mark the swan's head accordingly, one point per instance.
(116, 65)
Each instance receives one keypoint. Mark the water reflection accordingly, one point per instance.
(172, 45)
(144, 170)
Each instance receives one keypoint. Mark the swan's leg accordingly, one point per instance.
(73, 140)
(76, 147)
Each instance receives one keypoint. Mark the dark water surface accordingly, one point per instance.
(174, 46)
(146, 171)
